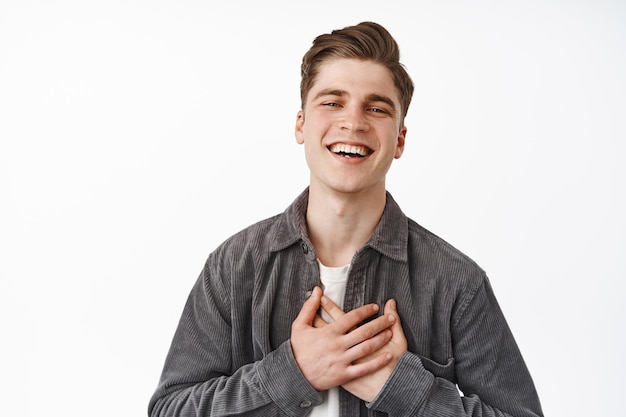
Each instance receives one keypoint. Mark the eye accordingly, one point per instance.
(330, 104)
(378, 110)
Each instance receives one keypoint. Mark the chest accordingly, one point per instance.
(276, 290)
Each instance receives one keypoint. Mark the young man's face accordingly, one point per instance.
(351, 126)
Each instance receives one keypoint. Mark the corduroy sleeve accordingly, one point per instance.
(487, 364)
(198, 379)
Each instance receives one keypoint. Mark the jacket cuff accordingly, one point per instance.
(406, 389)
(286, 385)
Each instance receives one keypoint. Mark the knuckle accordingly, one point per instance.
(367, 348)
(373, 328)
(369, 330)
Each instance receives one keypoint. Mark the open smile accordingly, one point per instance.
(350, 151)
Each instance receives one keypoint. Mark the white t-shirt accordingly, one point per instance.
(334, 281)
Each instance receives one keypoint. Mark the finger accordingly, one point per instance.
(350, 320)
(370, 329)
(369, 366)
(398, 340)
(309, 308)
(331, 308)
(369, 346)
(318, 321)
(392, 308)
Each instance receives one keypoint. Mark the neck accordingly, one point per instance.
(339, 224)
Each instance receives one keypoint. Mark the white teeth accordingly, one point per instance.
(349, 149)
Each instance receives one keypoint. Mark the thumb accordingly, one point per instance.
(309, 308)
(391, 308)
(398, 338)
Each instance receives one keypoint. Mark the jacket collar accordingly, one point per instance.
(390, 237)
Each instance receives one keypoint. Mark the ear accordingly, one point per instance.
(299, 127)
(400, 144)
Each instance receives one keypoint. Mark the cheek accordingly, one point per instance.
(310, 158)
(314, 130)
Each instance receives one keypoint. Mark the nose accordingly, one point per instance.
(354, 119)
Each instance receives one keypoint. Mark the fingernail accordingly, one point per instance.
(324, 299)
(375, 307)
(391, 318)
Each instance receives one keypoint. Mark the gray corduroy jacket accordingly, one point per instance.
(231, 354)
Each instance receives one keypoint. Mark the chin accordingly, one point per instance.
(344, 188)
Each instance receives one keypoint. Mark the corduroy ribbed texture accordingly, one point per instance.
(231, 355)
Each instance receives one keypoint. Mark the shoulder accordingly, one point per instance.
(232, 264)
(441, 260)
(430, 242)
(255, 238)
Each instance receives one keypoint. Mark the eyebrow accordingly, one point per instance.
(382, 99)
(330, 92)
(370, 97)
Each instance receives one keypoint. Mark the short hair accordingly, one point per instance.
(365, 41)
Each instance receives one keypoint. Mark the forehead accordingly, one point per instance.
(356, 77)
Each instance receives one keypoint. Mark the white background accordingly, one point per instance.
(135, 136)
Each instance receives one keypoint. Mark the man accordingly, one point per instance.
(403, 318)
